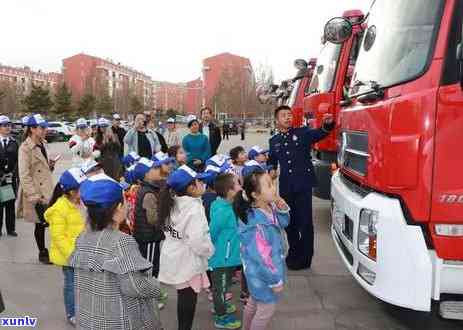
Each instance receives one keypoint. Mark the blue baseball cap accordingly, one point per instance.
(161, 158)
(218, 160)
(130, 159)
(101, 191)
(36, 120)
(103, 122)
(89, 166)
(129, 175)
(81, 123)
(256, 151)
(71, 179)
(4, 120)
(213, 172)
(183, 176)
(252, 166)
(24, 120)
(143, 166)
(93, 122)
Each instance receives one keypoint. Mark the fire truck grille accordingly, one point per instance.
(356, 152)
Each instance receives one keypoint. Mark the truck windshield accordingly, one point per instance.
(325, 71)
(397, 44)
(293, 95)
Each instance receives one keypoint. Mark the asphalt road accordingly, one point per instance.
(325, 297)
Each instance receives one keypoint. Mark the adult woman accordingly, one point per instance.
(196, 145)
(114, 286)
(110, 149)
(36, 183)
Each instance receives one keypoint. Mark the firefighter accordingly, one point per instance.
(291, 149)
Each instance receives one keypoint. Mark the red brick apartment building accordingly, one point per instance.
(24, 78)
(225, 67)
(89, 74)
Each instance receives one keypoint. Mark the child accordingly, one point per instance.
(66, 223)
(225, 237)
(178, 154)
(263, 214)
(258, 154)
(188, 245)
(239, 157)
(165, 163)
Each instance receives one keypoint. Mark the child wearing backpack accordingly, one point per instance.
(147, 231)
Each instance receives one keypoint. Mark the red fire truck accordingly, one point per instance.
(299, 88)
(397, 199)
(326, 91)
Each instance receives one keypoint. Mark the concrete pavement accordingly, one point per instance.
(326, 297)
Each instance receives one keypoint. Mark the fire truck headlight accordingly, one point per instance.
(367, 233)
(449, 230)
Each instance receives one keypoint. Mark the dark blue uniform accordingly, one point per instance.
(292, 151)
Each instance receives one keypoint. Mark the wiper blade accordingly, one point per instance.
(376, 93)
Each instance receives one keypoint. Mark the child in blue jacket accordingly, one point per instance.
(263, 215)
(225, 237)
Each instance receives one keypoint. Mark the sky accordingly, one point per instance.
(167, 39)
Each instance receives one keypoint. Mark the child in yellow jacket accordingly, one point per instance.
(66, 224)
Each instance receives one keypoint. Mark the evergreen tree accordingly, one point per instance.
(104, 105)
(136, 105)
(63, 100)
(86, 105)
(38, 100)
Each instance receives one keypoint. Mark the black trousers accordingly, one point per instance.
(186, 308)
(151, 252)
(10, 216)
(300, 229)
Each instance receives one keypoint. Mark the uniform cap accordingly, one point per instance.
(161, 158)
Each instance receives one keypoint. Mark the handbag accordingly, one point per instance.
(7, 193)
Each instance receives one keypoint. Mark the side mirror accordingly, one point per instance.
(337, 30)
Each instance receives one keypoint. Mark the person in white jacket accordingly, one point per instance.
(187, 246)
(81, 144)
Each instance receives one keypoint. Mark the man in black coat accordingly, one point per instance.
(8, 174)
(118, 130)
(211, 130)
(290, 149)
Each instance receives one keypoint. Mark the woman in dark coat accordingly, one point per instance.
(110, 149)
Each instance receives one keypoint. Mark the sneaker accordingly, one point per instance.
(227, 322)
(72, 321)
(163, 299)
(229, 308)
(210, 297)
(228, 296)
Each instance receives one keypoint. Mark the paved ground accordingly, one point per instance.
(326, 297)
